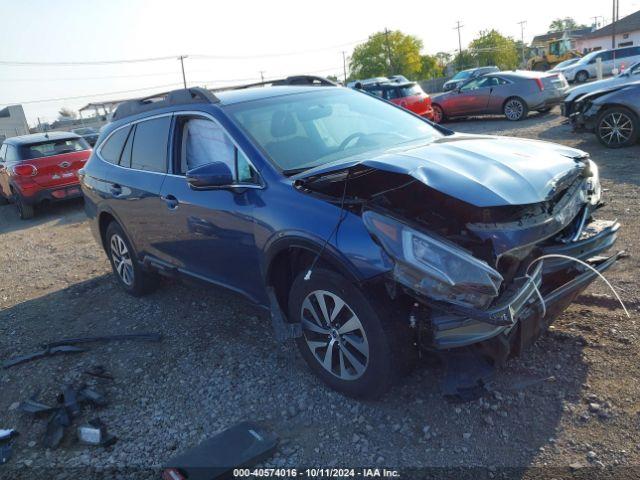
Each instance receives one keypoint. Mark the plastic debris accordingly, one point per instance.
(95, 433)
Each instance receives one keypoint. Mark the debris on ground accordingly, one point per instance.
(99, 371)
(151, 337)
(242, 445)
(6, 449)
(61, 416)
(467, 373)
(67, 346)
(95, 433)
(47, 352)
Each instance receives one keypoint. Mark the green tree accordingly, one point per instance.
(385, 54)
(430, 67)
(444, 58)
(562, 24)
(493, 48)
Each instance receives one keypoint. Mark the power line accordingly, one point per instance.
(77, 97)
(74, 64)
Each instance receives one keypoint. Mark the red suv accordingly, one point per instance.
(408, 95)
(41, 168)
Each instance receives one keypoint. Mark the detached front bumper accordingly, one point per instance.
(520, 316)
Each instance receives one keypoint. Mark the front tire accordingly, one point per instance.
(355, 346)
(515, 109)
(581, 76)
(617, 127)
(125, 265)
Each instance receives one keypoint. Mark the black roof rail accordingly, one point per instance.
(184, 96)
(302, 80)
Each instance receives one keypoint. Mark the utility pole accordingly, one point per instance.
(344, 66)
(386, 40)
(261, 76)
(458, 27)
(522, 24)
(184, 78)
(614, 18)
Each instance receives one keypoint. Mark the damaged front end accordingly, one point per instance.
(470, 266)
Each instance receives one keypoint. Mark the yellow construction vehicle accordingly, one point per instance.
(551, 54)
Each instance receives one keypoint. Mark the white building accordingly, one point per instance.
(627, 34)
(13, 122)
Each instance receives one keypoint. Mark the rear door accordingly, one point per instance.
(57, 161)
(131, 185)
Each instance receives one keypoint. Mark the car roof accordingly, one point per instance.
(40, 138)
(231, 97)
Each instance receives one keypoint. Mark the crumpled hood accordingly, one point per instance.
(485, 171)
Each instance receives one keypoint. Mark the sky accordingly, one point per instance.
(241, 39)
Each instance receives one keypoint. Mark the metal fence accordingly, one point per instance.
(433, 85)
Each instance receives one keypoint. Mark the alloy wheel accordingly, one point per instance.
(615, 129)
(513, 109)
(334, 334)
(122, 259)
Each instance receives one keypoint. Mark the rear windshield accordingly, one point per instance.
(409, 90)
(53, 147)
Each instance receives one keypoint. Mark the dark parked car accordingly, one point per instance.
(613, 114)
(465, 75)
(630, 75)
(371, 231)
(41, 168)
(88, 133)
(513, 94)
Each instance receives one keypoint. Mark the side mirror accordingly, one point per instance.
(209, 176)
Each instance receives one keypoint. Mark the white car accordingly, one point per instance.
(631, 74)
(585, 68)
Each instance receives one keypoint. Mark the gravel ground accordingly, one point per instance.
(570, 404)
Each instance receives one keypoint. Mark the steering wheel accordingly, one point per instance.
(350, 139)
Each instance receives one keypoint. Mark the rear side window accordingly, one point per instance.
(391, 93)
(54, 147)
(410, 90)
(12, 154)
(149, 151)
(112, 148)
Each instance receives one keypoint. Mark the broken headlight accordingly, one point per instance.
(433, 266)
(592, 184)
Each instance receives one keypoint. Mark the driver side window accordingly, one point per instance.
(204, 141)
(475, 84)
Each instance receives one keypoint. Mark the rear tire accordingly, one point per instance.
(368, 346)
(544, 110)
(617, 127)
(125, 264)
(515, 109)
(438, 114)
(24, 211)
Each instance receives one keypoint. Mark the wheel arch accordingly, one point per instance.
(104, 218)
(287, 257)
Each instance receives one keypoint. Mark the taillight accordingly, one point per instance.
(540, 84)
(26, 170)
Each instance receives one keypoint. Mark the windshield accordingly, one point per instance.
(462, 75)
(305, 130)
(588, 57)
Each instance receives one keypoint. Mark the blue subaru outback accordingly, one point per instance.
(368, 232)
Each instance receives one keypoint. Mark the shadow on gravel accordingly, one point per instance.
(63, 213)
(220, 363)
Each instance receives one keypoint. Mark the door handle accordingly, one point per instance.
(116, 189)
(171, 201)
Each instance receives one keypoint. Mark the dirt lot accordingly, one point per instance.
(219, 364)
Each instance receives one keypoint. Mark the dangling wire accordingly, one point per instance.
(535, 287)
(577, 260)
(343, 215)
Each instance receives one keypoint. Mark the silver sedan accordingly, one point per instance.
(513, 94)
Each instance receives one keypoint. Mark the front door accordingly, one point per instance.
(210, 233)
(473, 97)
